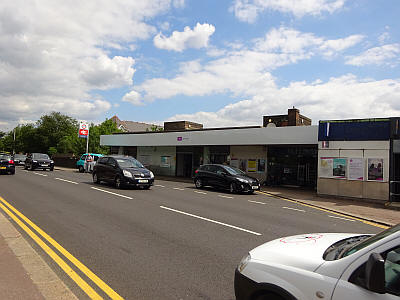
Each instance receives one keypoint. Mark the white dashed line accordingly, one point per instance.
(256, 202)
(222, 196)
(209, 220)
(341, 218)
(40, 174)
(198, 192)
(302, 210)
(159, 185)
(111, 193)
(179, 189)
(66, 180)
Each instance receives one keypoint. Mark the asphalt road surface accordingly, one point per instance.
(170, 242)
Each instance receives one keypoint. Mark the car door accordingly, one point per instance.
(221, 177)
(212, 176)
(101, 168)
(345, 289)
(111, 167)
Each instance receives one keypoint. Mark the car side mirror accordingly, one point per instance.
(375, 273)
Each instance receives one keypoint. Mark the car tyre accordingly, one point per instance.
(118, 182)
(233, 188)
(147, 187)
(51, 169)
(81, 169)
(96, 178)
(198, 183)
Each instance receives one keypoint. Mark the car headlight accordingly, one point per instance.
(35, 161)
(151, 175)
(242, 180)
(244, 262)
(127, 173)
(52, 161)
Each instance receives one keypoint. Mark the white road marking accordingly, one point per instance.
(159, 185)
(179, 189)
(111, 193)
(25, 171)
(222, 196)
(341, 218)
(40, 174)
(198, 192)
(302, 210)
(66, 180)
(209, 220)
(256, 202)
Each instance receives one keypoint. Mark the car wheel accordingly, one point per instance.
(51, 169)
(96, 178)
(233, 187)
(25, 167)
(198, 183)
(118, 182)
(81, 169)
(147, 187)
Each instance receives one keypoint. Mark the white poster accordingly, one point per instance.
(356, 169)
(326, 167)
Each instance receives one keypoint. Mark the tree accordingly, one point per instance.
(95, 131)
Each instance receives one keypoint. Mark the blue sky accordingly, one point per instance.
(220, 63)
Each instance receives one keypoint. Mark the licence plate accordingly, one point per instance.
(44, 165)
(254, 187)
(142, 180)
(3, 168)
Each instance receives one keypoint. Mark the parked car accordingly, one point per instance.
(122, 171)
(226, 177)
(38, 161)
(19, 159)
(81, 162)
(332, 266)
(7, 165)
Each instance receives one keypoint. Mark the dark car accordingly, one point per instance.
(39, 161)
(122, 171)
(225, 177)
(7, 164)
(19, 159)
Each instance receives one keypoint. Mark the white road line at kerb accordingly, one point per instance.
(209, 220)
(341, 218)
(256, 202)
(291, 208)
(159, 185)
(179, 189)
(40, 174)
(198, 192)
(222, 196)
(111, 193)
(66, 180)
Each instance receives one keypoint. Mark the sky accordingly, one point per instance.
(215, 62)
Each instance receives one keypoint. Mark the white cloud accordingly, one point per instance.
(384, 37)
(339, 98)
(248, 10)
(178, 3)
(243, 71)
(387, 54)
(134, 98)
(53, 53)
(179, 41)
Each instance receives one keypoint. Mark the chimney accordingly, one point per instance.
(293, 117)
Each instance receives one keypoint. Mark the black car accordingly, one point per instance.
(225, 177)
(7, 165)
(19, 159)
(122, 171)
(39, 161)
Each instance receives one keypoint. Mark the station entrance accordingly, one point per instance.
(187, 160)
(292, 166)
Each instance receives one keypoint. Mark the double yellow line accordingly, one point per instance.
(13, 213)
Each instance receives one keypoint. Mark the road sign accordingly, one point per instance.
(83, 129)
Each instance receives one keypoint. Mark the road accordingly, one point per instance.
(170, 242)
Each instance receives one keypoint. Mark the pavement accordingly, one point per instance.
(25, 275)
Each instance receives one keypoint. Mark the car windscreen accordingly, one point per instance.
(19, 156)
(129, 163)
(234, 171)
(371, 240)
(40, 156)
(5, 157)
